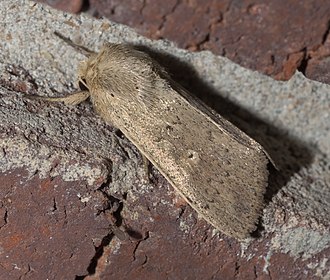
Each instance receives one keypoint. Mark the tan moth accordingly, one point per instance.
(219, 170)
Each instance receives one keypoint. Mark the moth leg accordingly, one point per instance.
(85, 51)
(72, 99)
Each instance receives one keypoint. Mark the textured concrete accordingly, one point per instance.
(69, 180)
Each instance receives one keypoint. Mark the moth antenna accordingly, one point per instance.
(85, 51)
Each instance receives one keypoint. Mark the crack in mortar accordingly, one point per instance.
(326, 34)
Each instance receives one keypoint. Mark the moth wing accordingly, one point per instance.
(219, 170)
(230, 171)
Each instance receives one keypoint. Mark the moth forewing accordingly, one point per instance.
(222, 179)
(218, 169)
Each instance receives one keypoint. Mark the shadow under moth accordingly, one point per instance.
(219, 170)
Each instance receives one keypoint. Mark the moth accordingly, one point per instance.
(218, 169)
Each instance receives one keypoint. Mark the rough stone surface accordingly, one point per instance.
(73, 197)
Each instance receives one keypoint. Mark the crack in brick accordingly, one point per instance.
(182, 210)
(202, 42)
(23, 276)
(164, 17)
(135, 249)
(65, 218)
(237, 267)
(54, 205)
(113, 9)
(304, 62)
(326, 34)
(143, 7)
(255, 272)
(317, 52)
(302, 67)
(5, 219)
(98, 253)
(213, 23)
(114, 207)
(227, 9)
